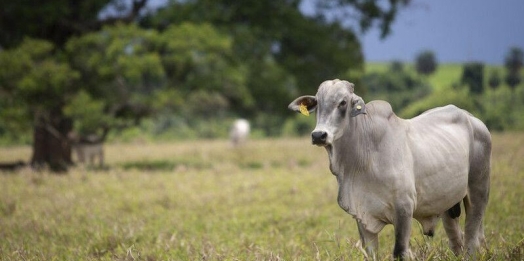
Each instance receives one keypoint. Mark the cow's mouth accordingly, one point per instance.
(320, 144)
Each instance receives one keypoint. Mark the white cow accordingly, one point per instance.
(390, 170)
(239, 132)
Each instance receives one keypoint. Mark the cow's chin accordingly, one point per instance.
(322, 144)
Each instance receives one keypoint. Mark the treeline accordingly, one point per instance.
(493, 93)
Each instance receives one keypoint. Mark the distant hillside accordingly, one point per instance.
(445, 75)
(500, 108)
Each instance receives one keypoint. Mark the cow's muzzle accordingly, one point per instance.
(319, 138)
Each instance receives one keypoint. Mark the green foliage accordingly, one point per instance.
(494, 79)
(199, 58)
(32, 73)
(54, 21)
(33, 80)
(278, 54)
(121, 74)
(330, 54)
(458, 97)
(368, 13)
(473, 77)
(298, 126)
(425, 63)
(497, 107)
(513, 79)
(88, 113)
(397, 86)
(501, 108)
(514, 60)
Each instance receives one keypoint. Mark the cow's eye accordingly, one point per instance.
(342, 104)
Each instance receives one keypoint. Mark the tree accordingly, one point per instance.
(57, 21)
(396, 86)
(366, 13)
(494, 79)
(37, 80)
(396, 67)
(514, 59)
(35, 86)
(513, 62)
(473, 77)
(121, 73)
(425, 63)
(277, 43)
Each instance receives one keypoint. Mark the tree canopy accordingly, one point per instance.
(426, 63)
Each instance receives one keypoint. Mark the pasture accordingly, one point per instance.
(271, 199)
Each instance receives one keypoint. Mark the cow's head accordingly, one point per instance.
(335, 102)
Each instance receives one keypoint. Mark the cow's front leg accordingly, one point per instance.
(369, 241)
(403, 219)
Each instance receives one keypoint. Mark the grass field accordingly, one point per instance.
(273, 199)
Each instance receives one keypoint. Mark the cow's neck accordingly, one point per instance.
(351, 153)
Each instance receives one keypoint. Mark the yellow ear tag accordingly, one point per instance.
(303, 109)
(359, 107)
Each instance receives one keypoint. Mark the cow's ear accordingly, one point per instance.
(304, 104)
(358, 106)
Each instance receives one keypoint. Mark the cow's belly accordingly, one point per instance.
(435, 198)
(441, 183)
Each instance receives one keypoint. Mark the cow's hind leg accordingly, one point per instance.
(475, 205)
(474, 230)
(450, 220)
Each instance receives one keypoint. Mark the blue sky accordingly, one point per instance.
(455, 30)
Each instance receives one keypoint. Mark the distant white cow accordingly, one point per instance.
(390, 170)
(239, 132)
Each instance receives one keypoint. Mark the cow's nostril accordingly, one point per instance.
(319, 137)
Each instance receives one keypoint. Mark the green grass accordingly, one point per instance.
(272, 199)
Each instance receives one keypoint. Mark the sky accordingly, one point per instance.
(455, 30)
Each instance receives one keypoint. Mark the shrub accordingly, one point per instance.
(473, 77)
(425, 63)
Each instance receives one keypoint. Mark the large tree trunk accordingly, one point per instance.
(51, 146)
